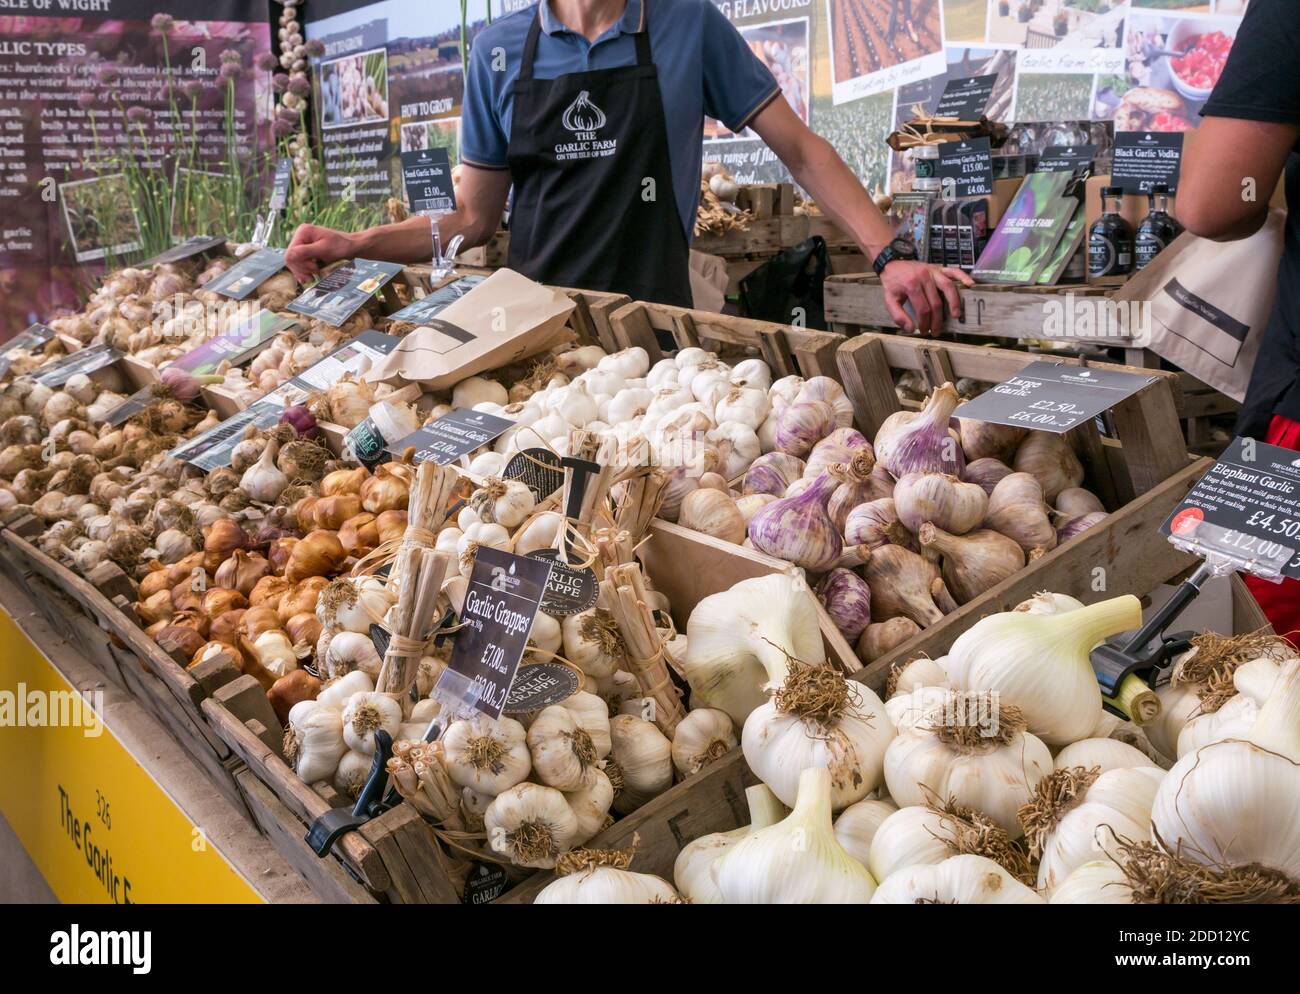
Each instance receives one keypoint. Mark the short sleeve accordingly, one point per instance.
(1261, 81)
(736, 83)
(483, 141)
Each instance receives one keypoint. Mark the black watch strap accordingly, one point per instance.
(899, 248)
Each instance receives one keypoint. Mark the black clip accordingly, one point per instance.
(371, 802)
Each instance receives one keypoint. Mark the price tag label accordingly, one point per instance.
(250, 272)
(338, 294)
(426, 174)
(966, 168)
(235, 346)
(1142, 159)
(1246, 508)
(56, 373)
(966, 98)
(431, 305)
(213, 448)
(1053, 397)
(452, 436)
(537, 469)
(1066, 159)
(501, 603)
(30, 340)
(188, 249)
(280, 186)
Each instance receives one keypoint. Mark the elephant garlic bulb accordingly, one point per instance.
(817, 718)
(484, 755)
(930, 833)
(1100, 881)
(601, 876)
(693, 869)
(531, 824)
(856, 826)
(314, 742)
(957, 880)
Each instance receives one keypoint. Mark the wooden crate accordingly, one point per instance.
(396, 856)
(788, 350)
(491, 255)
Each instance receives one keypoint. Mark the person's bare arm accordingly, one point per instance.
(817, 167)
(1228, 175)
(482, 198)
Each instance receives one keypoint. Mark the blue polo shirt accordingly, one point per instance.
(705, 67)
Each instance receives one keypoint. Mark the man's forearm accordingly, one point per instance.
(841, 197)
(411, 241)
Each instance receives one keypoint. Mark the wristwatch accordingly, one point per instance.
(899, 248)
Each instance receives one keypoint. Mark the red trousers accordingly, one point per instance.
(1280, 601)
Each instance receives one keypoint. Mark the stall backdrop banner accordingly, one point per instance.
(84, 97)
(391, 78)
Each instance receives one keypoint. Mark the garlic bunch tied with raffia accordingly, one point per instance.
(740, 642)
(1235, 804)
(796, 861)
(1039, 664)
(693, 868)
(602, 876)
(819, 719)
(1077, 813)
(957, 880)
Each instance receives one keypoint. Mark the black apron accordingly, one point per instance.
(581, 149)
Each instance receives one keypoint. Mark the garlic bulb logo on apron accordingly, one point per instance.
(584, 119)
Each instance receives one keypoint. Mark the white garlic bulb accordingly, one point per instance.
(644, 758)
(957, 880)
(704, 735)
(563, 754)
(531, 824)
(366, 713)
(484, 755)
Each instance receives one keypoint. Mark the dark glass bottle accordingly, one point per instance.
(1157, 229)
(1110, 240)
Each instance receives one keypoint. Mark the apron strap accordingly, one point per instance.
(643, 56)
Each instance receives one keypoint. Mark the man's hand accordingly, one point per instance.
(926, 288)
(313, 247)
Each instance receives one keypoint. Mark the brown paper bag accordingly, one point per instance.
(708, 282)
(504, 319)
(1207, 304)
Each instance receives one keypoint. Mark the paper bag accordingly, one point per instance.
(504, 319)
(708, 282)
(1206, 304)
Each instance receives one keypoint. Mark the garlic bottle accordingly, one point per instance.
(969, 750)
(485, 755)
(703, 736)
(1078, 812)
(693, 869)
(644, 760)
(957, 880)
(531, 824)
(819, 719)
(796, 861)
(740, 642)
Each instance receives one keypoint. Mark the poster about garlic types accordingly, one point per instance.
(89, 96)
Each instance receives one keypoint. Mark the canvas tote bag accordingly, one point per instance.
(1208, 304)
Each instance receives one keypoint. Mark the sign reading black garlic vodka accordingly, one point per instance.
(501, 604)
(1055, 397)
(1245, 508)
(1141, 159)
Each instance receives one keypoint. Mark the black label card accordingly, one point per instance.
(280, 186)
(58, 372)
(337, 295)
(188, 249)
(537, 469)
(1145, 158)
(966, 98)
(1053, 397)
(569, 590)
(1246, 508)
(133, 405)
(29, 340)
(248, 273)
(966, 168)
(484, 883)
(235, 346)
(453, 435)
(539, 685)
(426, 174)
(432, 304)
(501, 603)
(1066, 159)
(213, 448)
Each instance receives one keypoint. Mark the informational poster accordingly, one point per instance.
(92, 96)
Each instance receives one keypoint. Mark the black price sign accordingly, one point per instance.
(1066, 159)
(1141, 159)
(539, 685)
(248, 273)
(966, 168)
(484, 883)
(338, 294)
(214, 448)
(501, 603)
(29, 340)
(965, 99)
(280, 186)
(134, 404)
(426, 173)
(453, 435)
(188, 249)
(58, 372)
(1246, 508)
(432, 304)
(568, 591)
(537, 469)
(1053, 397)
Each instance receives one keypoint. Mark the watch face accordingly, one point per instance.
(903, 249)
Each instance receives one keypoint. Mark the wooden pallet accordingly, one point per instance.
(788, 350)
